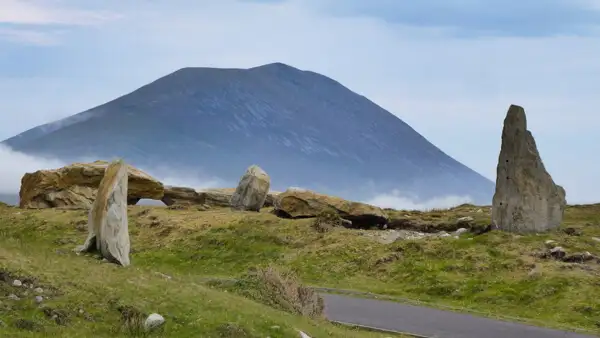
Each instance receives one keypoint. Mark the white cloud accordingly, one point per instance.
(396, 200)
(40, 12)
(30, 36)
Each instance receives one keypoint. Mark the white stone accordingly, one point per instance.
(17, 283)
(303, 335)
(153, 321)
(39, 299)
(38, 290)
(461, 231)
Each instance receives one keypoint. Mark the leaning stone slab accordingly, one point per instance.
(107, 222)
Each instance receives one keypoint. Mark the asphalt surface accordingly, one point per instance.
(429, 322)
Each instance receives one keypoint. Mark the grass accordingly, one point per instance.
(494, 273)
(89, 298)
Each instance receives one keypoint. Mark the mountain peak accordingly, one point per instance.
(286, 119)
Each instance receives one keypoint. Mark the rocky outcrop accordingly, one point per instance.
(526, 197)
(252, 190)
(298, 203)
(182, 196)
(107, 223)
(220, 197)
(75, 186)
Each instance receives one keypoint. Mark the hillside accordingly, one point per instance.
(495, 274)
(303, 128)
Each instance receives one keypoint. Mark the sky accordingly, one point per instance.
(449, 68)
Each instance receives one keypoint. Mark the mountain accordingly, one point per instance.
(303, 128)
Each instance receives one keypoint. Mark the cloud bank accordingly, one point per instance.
(395, 200)
(13, 165)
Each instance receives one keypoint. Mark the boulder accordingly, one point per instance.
(75, 186)
(298, 203)
(107, 221)
(220, 197)
(182, 196)
(251, 192)
(526, 197)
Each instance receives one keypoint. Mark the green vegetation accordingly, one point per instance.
(495, 273)
(89, 298)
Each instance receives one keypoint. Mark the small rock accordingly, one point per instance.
(596, 239)
(550, 244)
(572, 231)
(275, 327)
(163, 275)
(558, 252)
(39, 299)
(535, 272)
(479, 211)
(153, 321)
(17, 282)
(461, 231)
(444, 234)
(465, 219)
(456, 237)
(303, 335)
(579, 257)
(38, 290)
(12, 296)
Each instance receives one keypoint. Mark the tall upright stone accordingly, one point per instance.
(526, 197)
(107, 222)
(252, 190)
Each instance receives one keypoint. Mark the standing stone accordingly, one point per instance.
(526, 198)
(107, 223)
(252, 190)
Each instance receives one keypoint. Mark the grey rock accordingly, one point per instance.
(550, 243)
(526, 198)
(303, 335)
(465, 219)
(39, 299)
(12, 296)
(107, 221)
(252, 190)
(153, 321)
(461, 231)
(558, 252)
(595, 239)
(38, 290)
(17, 283)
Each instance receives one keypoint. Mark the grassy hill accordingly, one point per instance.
(497, 274)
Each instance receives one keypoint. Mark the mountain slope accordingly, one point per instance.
(303, 128)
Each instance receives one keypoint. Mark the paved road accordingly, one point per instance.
(429, 322)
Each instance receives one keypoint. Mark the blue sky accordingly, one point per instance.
(450, 68)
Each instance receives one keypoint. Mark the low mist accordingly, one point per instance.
(395, 200)
(13, 165)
